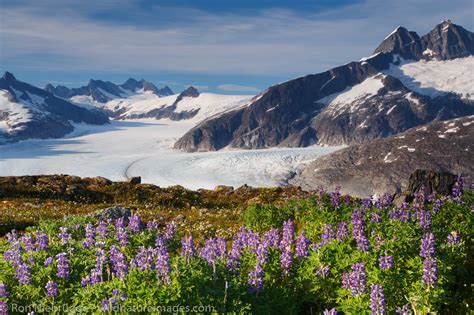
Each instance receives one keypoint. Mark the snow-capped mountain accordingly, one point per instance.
(30, 112)
(141, 99)
(408, 81)
(188, 105)
(103, 91)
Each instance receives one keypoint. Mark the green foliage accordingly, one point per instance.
(261, 217)
(194, 282)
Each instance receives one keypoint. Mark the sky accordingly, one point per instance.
(222, 46)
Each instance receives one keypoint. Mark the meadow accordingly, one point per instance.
(308, 254)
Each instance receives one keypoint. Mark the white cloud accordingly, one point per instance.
(273, 42)
(237, 88)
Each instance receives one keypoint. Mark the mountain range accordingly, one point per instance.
(30, 112)
(408, 81)
(409, 105)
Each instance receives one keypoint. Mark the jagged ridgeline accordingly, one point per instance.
(384, 94)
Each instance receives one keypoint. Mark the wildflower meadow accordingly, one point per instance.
(325, 254)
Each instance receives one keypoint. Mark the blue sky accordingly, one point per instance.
(224, 46)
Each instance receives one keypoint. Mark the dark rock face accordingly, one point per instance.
(384, 165)
(447, 41)
(49, 117)
(402, 42)
(292, 113)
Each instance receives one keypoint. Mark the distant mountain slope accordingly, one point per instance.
(399, 87)
(30, 112)
(384, 165)
(104, 91)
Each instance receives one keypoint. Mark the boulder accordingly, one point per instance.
(113, 213)
(135, 180)
(440, 183)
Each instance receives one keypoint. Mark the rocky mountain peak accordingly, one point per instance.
(190, 92)
(8, 76)
(401, 41)
(447, 41)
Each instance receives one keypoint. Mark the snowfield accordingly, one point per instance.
(144, 148)
(433, 78)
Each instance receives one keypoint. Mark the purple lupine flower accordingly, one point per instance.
(120, 223)
(213, 249)
(63, 265)
(404, 309)
(162, 266)
(105, 305)
(427, 245)
(22, 273)
(28, 243)
(170, 231)
(331, 311)
(256, 278)
(90, 236)
(288, 236)
(13, 255)
(431, 197)
(3, 308)
(430, 272)
(144, 258)
(355, 280)
(4, 290)
(64, 235)
(323, 271)
(152, 225)
(48, 261)
(12, 236)
(51, 289)
(119, 262)
(103, 229)
(336, 197)
(233, 261)
(262, 253)
(328, 233)
(342, 230)
(379, 241)
(458, 191)
(302, 245)
(424, 219)
(43, 240)
(437, 206)
(135, 223)
(377, 299)
(375, 217)
(347, 199)
(121, 235)
(271, 238)
(453, 239)
(187, 247)
(385, 262)
(367, 203)
(358, 230)
(96, 272)
(286, 260)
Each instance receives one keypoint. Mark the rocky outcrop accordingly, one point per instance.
(385, 165)
(427, 182)
(295, 113)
